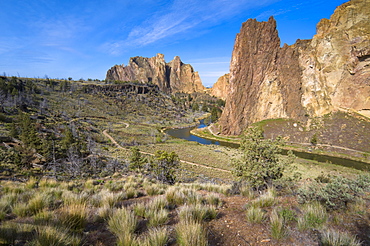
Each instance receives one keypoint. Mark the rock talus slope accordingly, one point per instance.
(307, 79)
(171, 77)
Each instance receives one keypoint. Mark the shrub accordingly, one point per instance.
(191, 234)
(164, 166)
(336, 194)
(334, 238)
(260, 163)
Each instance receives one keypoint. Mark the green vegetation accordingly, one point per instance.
(103, 172)
(260, 163)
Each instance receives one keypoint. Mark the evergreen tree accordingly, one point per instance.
(136, 160)
(260, 163)
(164, 166)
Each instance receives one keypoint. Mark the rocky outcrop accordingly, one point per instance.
(171, 77)
(221, 88)
(308, 79)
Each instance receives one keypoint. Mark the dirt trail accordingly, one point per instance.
(105, 132)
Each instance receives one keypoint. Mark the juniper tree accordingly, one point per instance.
(261, 162)
(164, 166)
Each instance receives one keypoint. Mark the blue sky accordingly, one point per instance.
(84, 38)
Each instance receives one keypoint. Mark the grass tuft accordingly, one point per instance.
(122, 223)
(255, 214)
(191, 234)
(314, 216)
(334, 238)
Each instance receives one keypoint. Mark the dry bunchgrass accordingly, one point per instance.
(139, 209)
(74, 217)
(56, 236)
(255, 214)
(156, 217)
(155, 237)
(278, 228)
(43, 217)
(157, 203)
(191, 234)
(8, 232)
(175, 196)
(314, 216)
(213, 199)
(335, 238)
(267, 199)
(122, 223)
(103, 213)
(197, 213)
(48, 183)
(247, 191)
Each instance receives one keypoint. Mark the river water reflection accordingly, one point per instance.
(184, 133)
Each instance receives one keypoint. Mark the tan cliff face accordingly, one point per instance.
(221, 88)
(307, 79)
(171, 77)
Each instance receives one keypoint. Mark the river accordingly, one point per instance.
(184, 133)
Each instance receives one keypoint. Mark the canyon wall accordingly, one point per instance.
(307, 79)
(221, 88)
(171, 77)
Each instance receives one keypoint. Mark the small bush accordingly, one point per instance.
(336, 194)
(334, 238)
(191, 234)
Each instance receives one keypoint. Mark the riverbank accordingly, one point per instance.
(347, 157)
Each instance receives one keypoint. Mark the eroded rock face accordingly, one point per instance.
(171, 77)
(221, 88)
(307, 79)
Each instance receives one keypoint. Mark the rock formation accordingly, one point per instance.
(171, 77)
(307, 79)
(221, 88)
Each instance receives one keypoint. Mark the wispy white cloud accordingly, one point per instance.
(179, 18)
